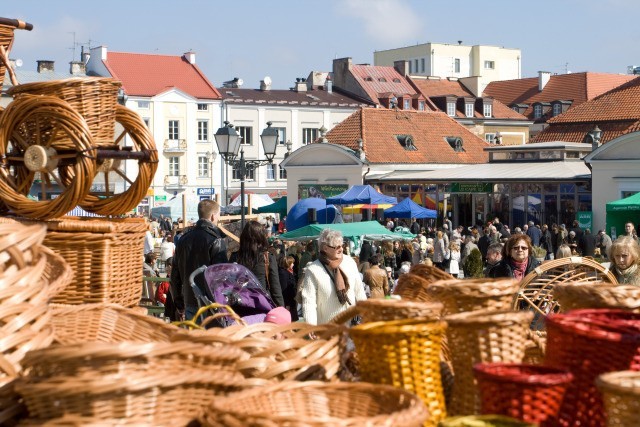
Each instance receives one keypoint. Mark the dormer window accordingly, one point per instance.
(557, 109)
(421, 105)
(487, 110)
(406, 141)
(537, 111)
(451, 108)
(468, 110)
(382, 79)
(368, 79)
(396, 80)
(456, 143)
(407, 104)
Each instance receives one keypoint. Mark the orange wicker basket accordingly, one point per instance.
(474, 294)
(314, 404)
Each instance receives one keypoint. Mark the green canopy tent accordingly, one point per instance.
(621, 211)
(279, 207)
(369, 230)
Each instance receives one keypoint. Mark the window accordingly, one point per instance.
(456, 65)
(203, 166)
(421, 105)
(246, 132)
(235, 174)
(309, 135)
(143, 105)
(282, 172)
(557, 109)
(407, 104)
(422, 65)
(203, 130)
(406, 141)
(416, 65)
(489, 65)
(490, 137)
(456, 143)
(203, 107)
(271, 173)
(410, 71)
(451, 109)
(282, 135)
(174, 130)
(487, 110)
(468, 110)
(537, 111)
(174, 166)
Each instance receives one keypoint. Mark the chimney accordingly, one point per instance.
(402, 67)
(45, 66)
(191, 57)
(77, 68)
(543, 79)
(301, 85)
(265, 84)
(84, 55)
(328, 85)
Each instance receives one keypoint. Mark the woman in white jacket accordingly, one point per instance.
(332, 283)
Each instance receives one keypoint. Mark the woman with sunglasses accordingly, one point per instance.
(517, 258)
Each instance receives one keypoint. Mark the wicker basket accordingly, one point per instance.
(6, 40)
(57, 272)
(413, 286)
(589, 343)
(460, 296)
(573, 296)
(530, 393)
(621, 396)
(108, 323)
(313, 404)
(161, 383)
(405, 354)
(483, 421)
(95, 98)
(482, 337)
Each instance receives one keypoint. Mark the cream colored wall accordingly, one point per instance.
(511, 135)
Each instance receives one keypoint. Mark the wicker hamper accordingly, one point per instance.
(315, 404)
(467, 295)
(621, 396)
(573, 296)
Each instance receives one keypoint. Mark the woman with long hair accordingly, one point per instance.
(517, 259)
(254, 254)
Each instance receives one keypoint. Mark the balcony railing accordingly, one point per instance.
(175, 145)
(175, 181)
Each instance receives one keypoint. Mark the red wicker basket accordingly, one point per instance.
(531, 393)
(589, 343)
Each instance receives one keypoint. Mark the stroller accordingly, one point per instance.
(236, 286)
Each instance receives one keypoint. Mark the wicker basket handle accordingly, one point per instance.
(346, 315)
(16, 23)
(191, 324)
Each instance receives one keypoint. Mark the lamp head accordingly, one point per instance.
(269, 137)
(228, 141)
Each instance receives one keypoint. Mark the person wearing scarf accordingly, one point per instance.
(624, 254)
(332, 283)
(517, 259)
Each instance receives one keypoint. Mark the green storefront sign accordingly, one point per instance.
(585, 219)
(471, 187)
(320, 190)
(160, 198)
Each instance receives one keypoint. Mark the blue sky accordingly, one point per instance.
(285, 39)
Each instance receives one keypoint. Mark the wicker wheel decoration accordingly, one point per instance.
(110, 170)
(36, 135)
(536, 288)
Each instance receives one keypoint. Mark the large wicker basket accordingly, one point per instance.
(405, 354)
(313, 404)
(621, 396)
(482, 337)
(460, 296)
(578, 295)
(483, 421)
(159, 383)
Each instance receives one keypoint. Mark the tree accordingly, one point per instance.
(473, 264)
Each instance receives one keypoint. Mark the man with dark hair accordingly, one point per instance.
(494, 256)
(534, 233)
(415, 227)
(203, 244)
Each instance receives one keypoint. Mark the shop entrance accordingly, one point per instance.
(469, 209)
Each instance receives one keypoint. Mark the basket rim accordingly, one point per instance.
(488, 316)
(545, 375)
(78, 81)
(610, 381)
(399, 326)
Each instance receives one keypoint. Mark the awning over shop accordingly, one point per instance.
(619, 212)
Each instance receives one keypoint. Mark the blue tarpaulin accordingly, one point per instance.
(409, 209)
(361, 194)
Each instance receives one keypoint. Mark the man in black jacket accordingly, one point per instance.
(204, 244)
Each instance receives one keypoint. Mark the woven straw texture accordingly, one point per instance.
(589, 343)
(57, 272)
(104, 256)
(536, 291)
(313, 404)
(482, 337)
(95, 98)
(531, 393)
(573, 296)
(108, 323)
(404, 354)
(6, 40)
(483, 421)
(621, 396)
(413, 286)
(459, 296)
(44, 123)
(297, 351)
(161, 383)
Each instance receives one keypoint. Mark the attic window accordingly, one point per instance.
(456, 143)
(407, 142)
(537, 111)
(382, 79)
(368, 79)
(396, 80)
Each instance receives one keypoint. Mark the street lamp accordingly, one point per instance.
(228, 142)
(594, 136)
(211, 155)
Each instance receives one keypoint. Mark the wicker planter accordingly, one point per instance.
(313, 404)
(621, 396)
(460, 296)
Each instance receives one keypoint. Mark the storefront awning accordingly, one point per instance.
(497, 172)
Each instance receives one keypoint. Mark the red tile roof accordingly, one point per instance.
(150, 75)
(575, 87)
(432, 88)
(377, 79)
(378, 128)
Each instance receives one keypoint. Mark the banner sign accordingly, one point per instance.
(206, 191)
(585, 220)
(471, 187)
(321, 191)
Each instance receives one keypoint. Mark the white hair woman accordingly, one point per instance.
(624, 254)
(331, 283)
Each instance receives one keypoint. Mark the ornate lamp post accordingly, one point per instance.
(228, 142)
(211, 155)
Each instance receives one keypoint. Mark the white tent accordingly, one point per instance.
(173, 208)
(257, 201)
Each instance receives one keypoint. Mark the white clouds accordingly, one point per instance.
(390, 21)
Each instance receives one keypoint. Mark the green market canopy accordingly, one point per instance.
(621, 211)
(369, 230)
(279, 207)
